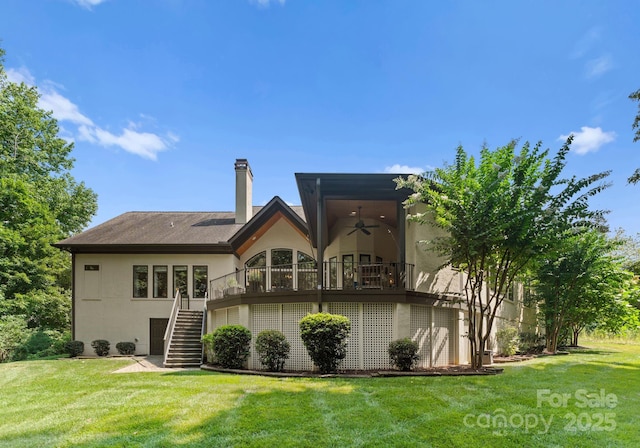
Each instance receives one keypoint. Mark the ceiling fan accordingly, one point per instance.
(361, 226)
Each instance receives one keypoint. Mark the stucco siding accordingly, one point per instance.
(104, 304)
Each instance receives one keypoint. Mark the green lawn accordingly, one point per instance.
(81, 403)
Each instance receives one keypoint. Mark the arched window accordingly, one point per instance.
(256, 272)
(258, 260)
(275, 270)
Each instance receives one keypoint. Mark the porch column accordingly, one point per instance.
(319, 242)
(402, 237)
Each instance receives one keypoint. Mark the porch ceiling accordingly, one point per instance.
(343, 193)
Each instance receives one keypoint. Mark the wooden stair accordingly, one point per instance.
(185, 349)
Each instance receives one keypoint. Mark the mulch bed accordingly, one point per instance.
(438, 371)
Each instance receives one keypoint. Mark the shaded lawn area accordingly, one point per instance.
(81, 403)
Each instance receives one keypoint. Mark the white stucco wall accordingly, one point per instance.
(104, 304)
(429, 275)
(280, 236)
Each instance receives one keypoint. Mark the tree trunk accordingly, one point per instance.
(576, 333)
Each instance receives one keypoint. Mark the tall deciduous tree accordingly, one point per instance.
(40, 203)
(498, 215)
(581, 282)
(635, 96)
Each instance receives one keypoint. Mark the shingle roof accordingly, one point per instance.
(137, 229)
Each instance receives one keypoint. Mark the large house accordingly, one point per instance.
(162, 279)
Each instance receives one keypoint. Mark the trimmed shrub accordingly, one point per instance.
(403, 353)
(74, 348)
(531, 343)
(325, 337)
(101, 347)
(126, 348)
(508, 340)
(273, 349)
(207, 342)
(230, 345)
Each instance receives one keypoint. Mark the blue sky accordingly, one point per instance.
(160, 97)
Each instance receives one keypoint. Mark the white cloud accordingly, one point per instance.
(266, 3)
(143, 144)
(586, 42)
(88, 4)
(63, 109)
(20, 75)
(598, 66)
(589, 139)
(405, 169)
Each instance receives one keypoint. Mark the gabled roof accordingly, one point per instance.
(173, 232)
(265, 218)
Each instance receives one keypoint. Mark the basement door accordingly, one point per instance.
(157, 327)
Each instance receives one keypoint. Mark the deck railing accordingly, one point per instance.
(304, 277)
(168, 334)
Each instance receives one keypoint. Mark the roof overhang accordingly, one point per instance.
(331, 186)
(221, 248)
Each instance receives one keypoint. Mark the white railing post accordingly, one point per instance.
(203, 331)
(168, 334)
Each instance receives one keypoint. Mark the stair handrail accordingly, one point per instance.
(202, 332)
(168, 334)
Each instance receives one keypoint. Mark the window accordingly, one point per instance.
(91, 267)
(258, 260)
(529, 297)
(348, 282)
(281, 273)
(180, 274)
(140, 281)
(282, 257)
(200, 274)
(257, 272)
(307, 272)
(333, 273)
(160, 282)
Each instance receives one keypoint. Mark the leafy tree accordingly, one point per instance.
(40, 203)
(13, 334)
(635, 96)
(581, 282)
(497, 216)
(629, 251)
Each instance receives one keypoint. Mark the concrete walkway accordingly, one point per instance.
(148, 364)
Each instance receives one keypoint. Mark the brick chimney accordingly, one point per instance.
(244, 191)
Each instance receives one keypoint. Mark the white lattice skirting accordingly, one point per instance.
(373, 326)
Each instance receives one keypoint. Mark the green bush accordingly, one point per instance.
(230, 346)
(531, 343)
(43, 343)
(126, 348)
(13, 335)
(325, 337)
(207, 342)
(273, 349)
(508, 340)
(74, 348)
(101, 347)
(403, 353)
